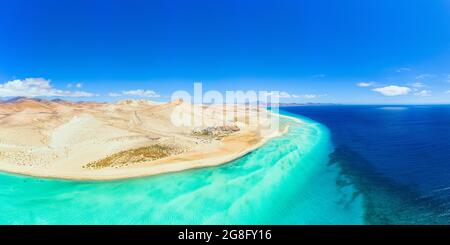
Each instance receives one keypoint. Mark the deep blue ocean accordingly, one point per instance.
(397, 157)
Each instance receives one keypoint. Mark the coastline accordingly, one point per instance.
(161, 166)
(289, 173)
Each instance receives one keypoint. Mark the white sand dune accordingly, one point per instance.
(96, 141)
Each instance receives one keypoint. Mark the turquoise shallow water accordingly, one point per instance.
(287, 181)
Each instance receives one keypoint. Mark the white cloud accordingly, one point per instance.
(286, 95)
(36, 87)
(418, 85)
(403, 69)
(423, 93)
(423, 76)
(114, 95)
(137, 92)
(77, 85)
(142, 93)
(308, 96)
(365, 84)
(392, 90)
(277, 94)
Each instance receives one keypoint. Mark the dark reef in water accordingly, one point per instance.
(385, 201)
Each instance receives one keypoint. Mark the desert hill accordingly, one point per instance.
(89, 140)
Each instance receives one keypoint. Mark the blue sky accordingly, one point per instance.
(314, 51)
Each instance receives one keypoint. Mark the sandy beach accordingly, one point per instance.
(125, 139)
